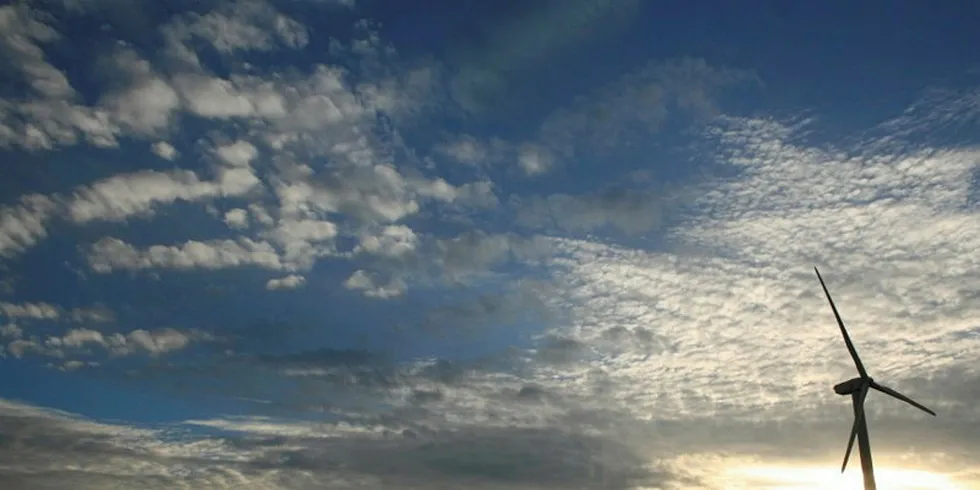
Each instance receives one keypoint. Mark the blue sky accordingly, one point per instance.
(355, 243)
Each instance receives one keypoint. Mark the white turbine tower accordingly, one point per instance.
(858, 389)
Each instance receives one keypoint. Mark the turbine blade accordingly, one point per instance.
(850, 444)
(843, 331)
(888, 391)
(858, 419)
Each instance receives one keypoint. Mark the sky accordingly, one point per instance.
(360, 244)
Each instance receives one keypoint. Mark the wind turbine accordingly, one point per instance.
(858, 389)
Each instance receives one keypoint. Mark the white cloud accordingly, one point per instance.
(145, 103)
(49, 116)
(303, 240)
(291, 281)
(213, 97)
(111, 254)
(243, 25)
(892, 236)
(372, 287)
(115, 198)
(20, 42)
(24, 224)
(260, 214)
(153, 342)
(236, 219)
(392, 241)
(37, 311)
(140, 341)
(164, 150)
(121, 196)
(77, 337)
(218, 98)
(19, 347)
(237, 154)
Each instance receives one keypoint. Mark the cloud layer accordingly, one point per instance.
(316, 237)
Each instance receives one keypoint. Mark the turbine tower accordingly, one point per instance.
(858, 389)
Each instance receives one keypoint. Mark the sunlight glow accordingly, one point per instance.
(813, 477)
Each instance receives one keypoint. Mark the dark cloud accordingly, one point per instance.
(523, 458)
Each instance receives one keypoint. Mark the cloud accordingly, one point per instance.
(476, 253)
(19, 347)
(164, 150)
(11, 330)
(236, 219)
(154, 342)
(212, 97)
(37, 311)
(22, 35)
(63, 446)
(49, 116)
(465, 149)
(392, 241)
(535, 159)
(237, 154)
(639, 103)
(614, 334)
(145, 103)
(244, 25)
(374, 287)
(631, 210)
(110, 254)
(613, 116)
(291, 281)
(76, 341)
(121, 196)
(77, 338)
(24, 224)
(92, 314)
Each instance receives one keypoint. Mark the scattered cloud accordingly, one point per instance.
(144, 103)
(236, 219)
(639, 103)
(122, 196)
(164, 150)
(534, 159)
(93, 314)
(374, 287)
(291, 281)
(77, 340)
(240, 26)
(11, 330)
(110, 253)
(630, 210)
(604, 328)
(24, 224)
(37, 311)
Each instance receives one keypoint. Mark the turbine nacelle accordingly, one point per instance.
(851, 386)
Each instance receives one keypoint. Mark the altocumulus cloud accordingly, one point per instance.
(313, 238)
